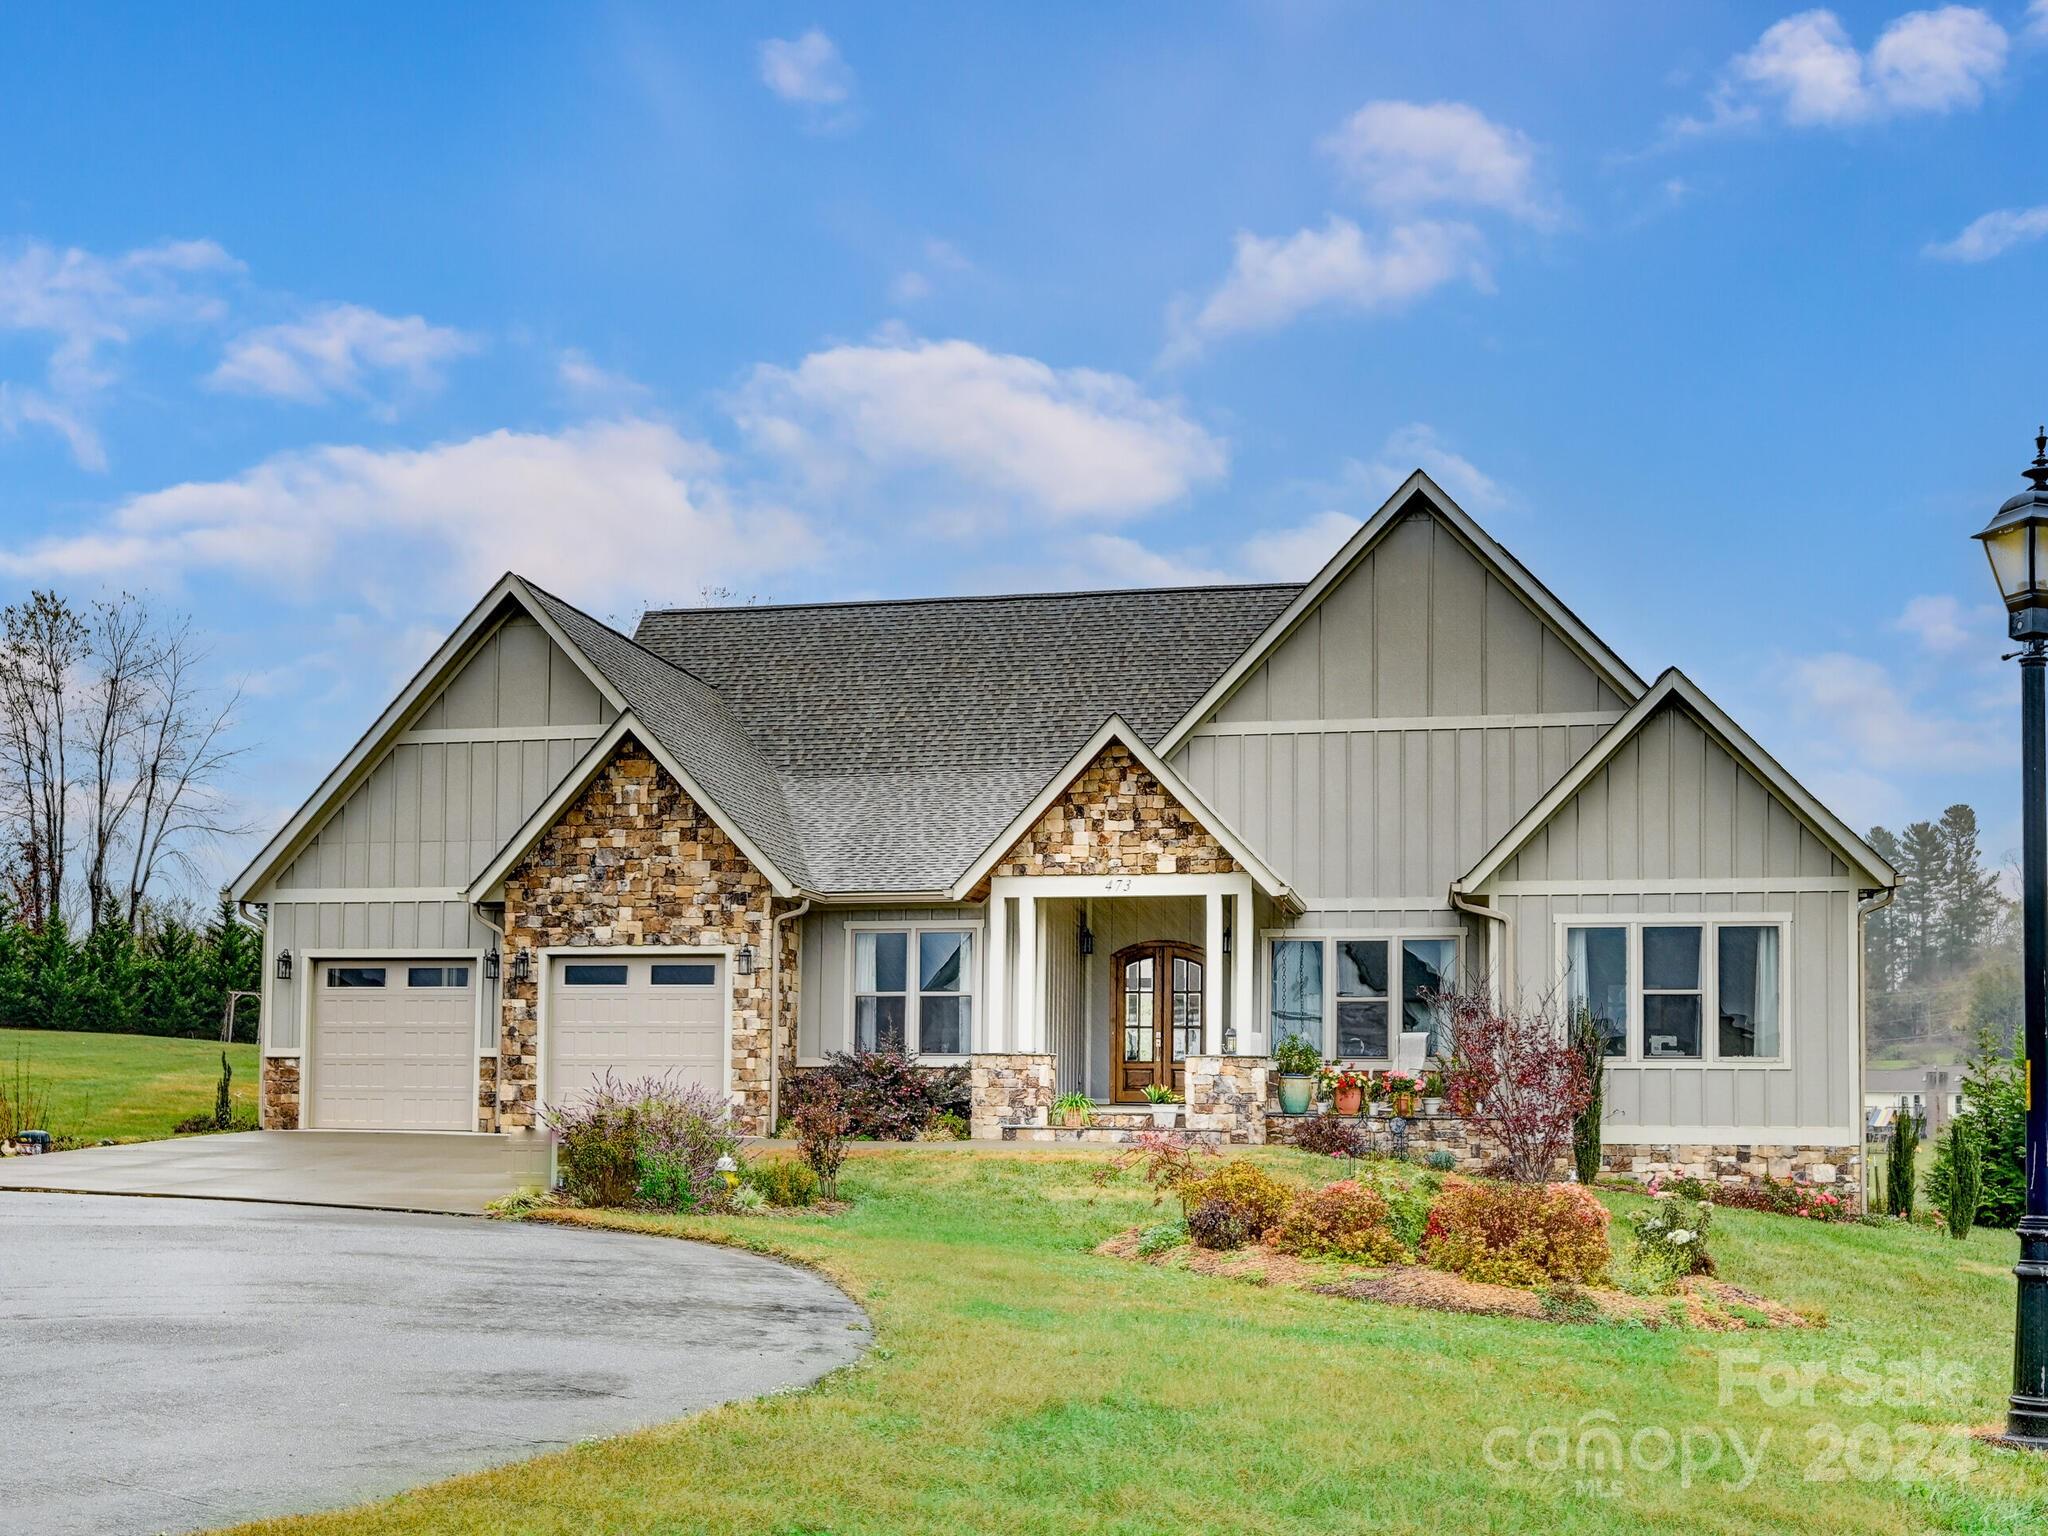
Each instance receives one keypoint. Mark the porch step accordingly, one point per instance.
(1097, 1134)
(1119, 1118)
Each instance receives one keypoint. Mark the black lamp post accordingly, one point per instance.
(2017, 542)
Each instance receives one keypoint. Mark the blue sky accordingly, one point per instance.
(1724, 319)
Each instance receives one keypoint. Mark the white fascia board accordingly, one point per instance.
(1116, 728)
(1618, 673)
(369, 748)
(489, 884)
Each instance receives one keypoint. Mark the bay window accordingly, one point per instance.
(1652, 984)
(1344, 993)
(913, 990)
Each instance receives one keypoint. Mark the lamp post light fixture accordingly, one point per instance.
(2016, 540)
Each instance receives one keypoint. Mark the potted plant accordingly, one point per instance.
(1073, 1110)
(1433, 1091)
(1346, 1086)
(1300, 1063)
(1401, 1092)
(1376, 1094)
(1165, 1104)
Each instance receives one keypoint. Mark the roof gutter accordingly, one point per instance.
(1866, 907)
(1472, 908)
(775, 928)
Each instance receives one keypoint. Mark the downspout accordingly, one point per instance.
(1496, 978)
(775, 1008)
(262, 926)
(498, 1020)
(1866, 906)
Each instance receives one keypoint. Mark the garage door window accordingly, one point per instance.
(355, 976)
(437, 976)
(594, 975)
(913, 991)
(700, 974)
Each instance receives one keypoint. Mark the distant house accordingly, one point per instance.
(1933, 1094)
(1082, 842)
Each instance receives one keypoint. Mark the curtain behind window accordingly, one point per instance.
(1298, 990)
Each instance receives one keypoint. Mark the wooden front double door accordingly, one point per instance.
(1155, 1011)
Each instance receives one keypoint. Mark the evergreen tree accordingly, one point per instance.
(1967, 897)
(1883, 932)
(234, 953)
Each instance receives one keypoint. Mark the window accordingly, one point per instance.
(355, 975)
(1340, 993)
(1652, 985)
(437, 976)
(697, 973)
(593, 975)
(928, 1011)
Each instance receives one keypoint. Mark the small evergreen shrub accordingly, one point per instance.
(945, 1126)
(1899, 1166)
(1518, 1234)
(1956, 1181)
(223, 1102)
(1592, 1048)
(1328, 1136)
(1345, 1220)
(1441, 1161)
(1236, 1204)
(783, 1181)
(664, 1183)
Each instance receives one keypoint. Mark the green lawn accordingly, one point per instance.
(1022, 1384)
(124, 1087)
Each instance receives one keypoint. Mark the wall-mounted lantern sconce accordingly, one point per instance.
(745, 961)
(522, 966)
(1226, 938)
(1087, 938)
(491, 965)
(284, 965)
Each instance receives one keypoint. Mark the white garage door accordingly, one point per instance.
(635, 1018)
(394, 1045)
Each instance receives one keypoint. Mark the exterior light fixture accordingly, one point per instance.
(1226, 938)
(745, 962)
(522, 966)
(1087, 938)
(491, 966)
(284, 965)
(2017, 542)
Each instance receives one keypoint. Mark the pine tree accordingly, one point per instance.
(1883, 932)
(234, 953)
(1961, 1178)
(1925, 861)
(1967, 897)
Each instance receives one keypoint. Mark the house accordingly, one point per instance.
(1080, 842)
(1933, 1095)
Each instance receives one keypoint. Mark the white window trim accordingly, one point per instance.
(1394, 938)
(1710, 982)
(913, 1008)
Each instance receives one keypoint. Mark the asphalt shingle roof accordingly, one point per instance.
(902, 737)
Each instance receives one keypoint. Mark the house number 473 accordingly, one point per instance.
(1117, 884)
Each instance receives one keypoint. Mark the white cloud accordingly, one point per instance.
(590, 510)
(1993, 234)
(807, 70)
(1060, 442)
(1858, 711)
(1407, 155)
(939, 257)
(1295, 554)
(1809, 71)
(1109, 559)
(1272, 281)
(90, 305)
(336, 350)
(2037, 21)
(587, 380)
(1942, 624)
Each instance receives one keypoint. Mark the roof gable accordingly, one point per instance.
(1674, 691)
(1479, 574)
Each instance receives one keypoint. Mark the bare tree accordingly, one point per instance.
(41, 641)
(123, 657)
(181, 752)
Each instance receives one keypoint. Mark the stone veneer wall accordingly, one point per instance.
(1115, 818)
(487, 1093)
(1227, 1095)
(280, 1109)
(634, 860)
(1008, 1090)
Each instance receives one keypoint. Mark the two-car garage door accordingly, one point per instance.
(394, 1046)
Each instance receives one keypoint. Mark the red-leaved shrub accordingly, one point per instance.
(1516, 1077)
(1517, 1234)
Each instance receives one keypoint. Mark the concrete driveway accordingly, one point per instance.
(375, 1170)
(178, 1364)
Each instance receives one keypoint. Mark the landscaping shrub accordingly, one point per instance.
(821, 1126)
(1517, 1077)
(946, 1126)
(678, 1131)
(783, 1181)
(1591, 1043)
(1780, 1197)
(1518, 1234)
(1995, 1089)
(223, 1101)
(1234, 1204)
(1345, 1220)
(885, 1095)
(1409, 1204)
(1328, 1136)
(1899, 1171)
(1161, 1237)
(1956, 1181)
(24, 1102)
(1442, 1161)
(1669, 1240)
(1168, 1163)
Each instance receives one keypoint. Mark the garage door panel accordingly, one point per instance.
(395, 1056)
(633, 1020)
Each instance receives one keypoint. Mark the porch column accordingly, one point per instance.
(1027, 1031)
(1244, 971)
(1212, 975)
(995, 1008)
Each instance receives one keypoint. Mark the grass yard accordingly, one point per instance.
(124, 1087)
(1021, 1383)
